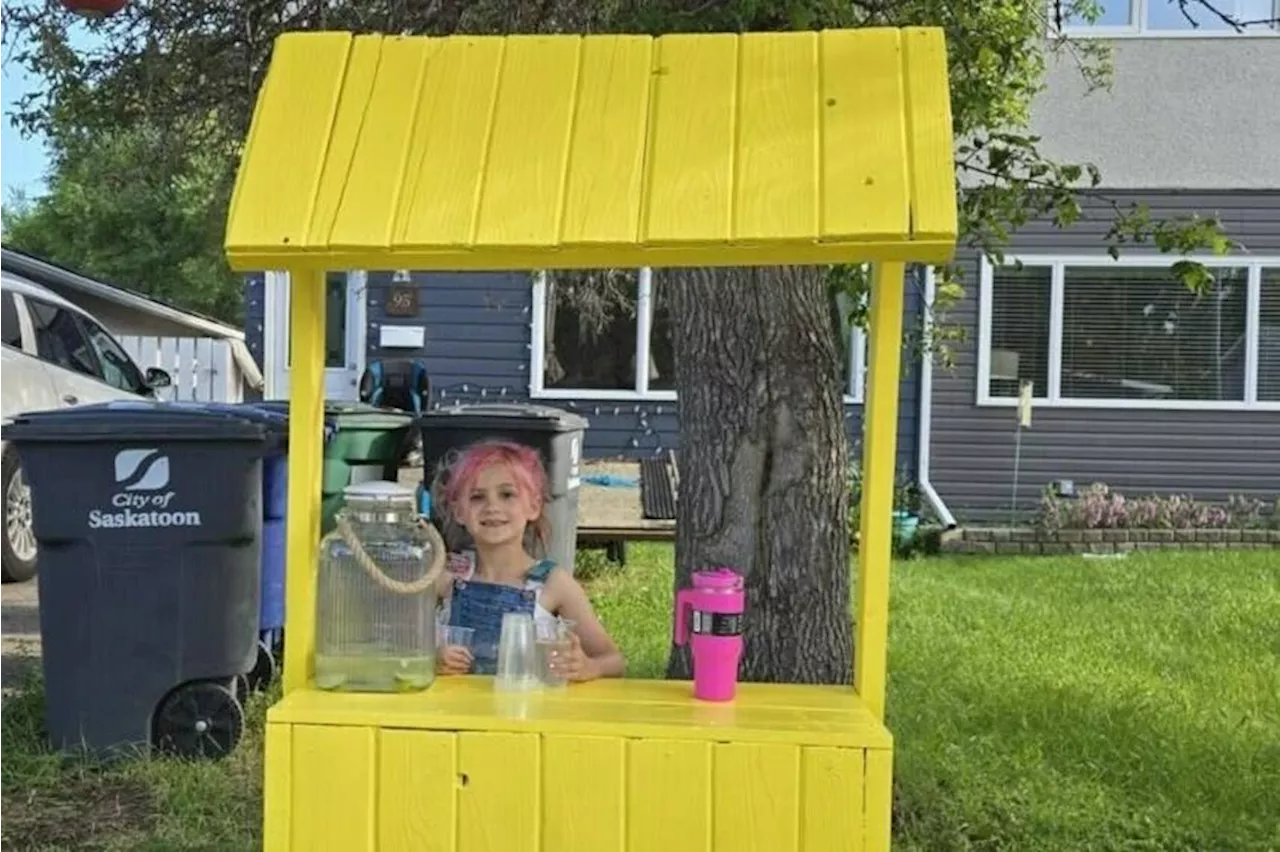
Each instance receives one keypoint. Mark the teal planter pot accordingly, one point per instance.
(905, 525)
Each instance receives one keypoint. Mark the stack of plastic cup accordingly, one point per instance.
(517, 658)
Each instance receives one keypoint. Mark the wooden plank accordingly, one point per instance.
(929, 132)
(757, 798)
(878, 796)
(227, 383)
(447, 160)
(498, 804)
(668, 796)
(832, 819)
(188, 368)
(276, 185)
(417, 791)
(334, 788)
(605, 177)
(689, 186)
(364, 169)
(520, 201)
(775, 192)
(277, 775)
(206, 374)
(583, 785)
(864, 145)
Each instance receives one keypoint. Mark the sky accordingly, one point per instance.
(23, 161)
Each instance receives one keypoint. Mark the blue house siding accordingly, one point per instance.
(477, 349)
(255, 315)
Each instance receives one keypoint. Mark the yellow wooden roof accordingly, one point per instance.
(563, 151)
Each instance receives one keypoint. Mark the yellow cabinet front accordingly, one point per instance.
(364, 789)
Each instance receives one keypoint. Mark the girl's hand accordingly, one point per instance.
(574, 664)
(454, 659)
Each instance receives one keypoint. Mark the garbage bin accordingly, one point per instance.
(148, 519)
(364, 443)
(555, 433)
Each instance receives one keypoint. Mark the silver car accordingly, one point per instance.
(55, 355)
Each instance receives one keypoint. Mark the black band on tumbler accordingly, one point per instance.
(717, 623)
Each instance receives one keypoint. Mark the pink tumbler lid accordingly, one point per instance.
(717, 579)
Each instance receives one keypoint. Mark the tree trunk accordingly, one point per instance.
(763, 461)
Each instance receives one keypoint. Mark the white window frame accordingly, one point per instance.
(644, 324)
(1058, 263)
(1138, 29)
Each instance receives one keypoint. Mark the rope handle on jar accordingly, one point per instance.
(433, 569)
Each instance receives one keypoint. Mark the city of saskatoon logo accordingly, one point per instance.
(142, 497)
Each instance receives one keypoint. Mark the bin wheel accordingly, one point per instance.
(199, 720)
(264, 668)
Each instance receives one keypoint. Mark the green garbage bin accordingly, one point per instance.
(367, 444)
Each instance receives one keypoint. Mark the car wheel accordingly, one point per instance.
(18, 558)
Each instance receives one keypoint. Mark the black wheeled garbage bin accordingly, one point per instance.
(555, 433)
(148, 519)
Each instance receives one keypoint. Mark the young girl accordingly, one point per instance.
(496, 490)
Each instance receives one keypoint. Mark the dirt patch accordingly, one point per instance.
(87, 812)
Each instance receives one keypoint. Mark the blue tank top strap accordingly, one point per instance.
(540, 571)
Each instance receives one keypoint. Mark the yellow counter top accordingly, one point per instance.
(796, 714)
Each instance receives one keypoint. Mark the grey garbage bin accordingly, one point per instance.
(555, 433)
(148, 519)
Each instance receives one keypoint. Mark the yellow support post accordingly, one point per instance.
(306, 463)
(879, 453)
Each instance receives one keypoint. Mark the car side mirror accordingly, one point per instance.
(158, 378)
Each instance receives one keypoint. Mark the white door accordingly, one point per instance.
(344, 340)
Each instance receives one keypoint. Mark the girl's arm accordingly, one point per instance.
(603, 659)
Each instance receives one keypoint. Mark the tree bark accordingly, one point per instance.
(763, 460)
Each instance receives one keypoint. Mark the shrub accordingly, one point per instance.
(1099, 507)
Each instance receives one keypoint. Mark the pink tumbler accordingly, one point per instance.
(709, 617)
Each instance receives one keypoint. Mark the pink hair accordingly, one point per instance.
(455, 478)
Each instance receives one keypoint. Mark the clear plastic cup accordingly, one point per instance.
(447, 634)
(517, 669)
(553, 643)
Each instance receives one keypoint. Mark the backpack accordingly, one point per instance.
(400, 383)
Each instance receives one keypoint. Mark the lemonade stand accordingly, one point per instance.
(532, 152)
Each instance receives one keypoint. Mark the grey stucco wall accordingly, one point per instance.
(1210, 454)
(1182, 113)
(477, 349)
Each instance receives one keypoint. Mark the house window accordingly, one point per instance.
(1020, 330)
(1138, 333)
(586, 344)
(1091, 332)
(1167, 17)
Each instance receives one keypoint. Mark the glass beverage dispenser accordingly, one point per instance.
(376, 594)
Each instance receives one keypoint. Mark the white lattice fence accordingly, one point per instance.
(202, 368)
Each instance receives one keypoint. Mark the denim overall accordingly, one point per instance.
(481, 605)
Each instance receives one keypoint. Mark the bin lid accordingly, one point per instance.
(276, 420)
(362, 415)
(505, 415)
(123, 420)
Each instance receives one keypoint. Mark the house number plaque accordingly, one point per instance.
(402, 302)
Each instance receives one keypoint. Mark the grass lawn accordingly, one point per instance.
(1036, 704)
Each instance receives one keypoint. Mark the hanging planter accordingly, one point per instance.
(95, 8)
